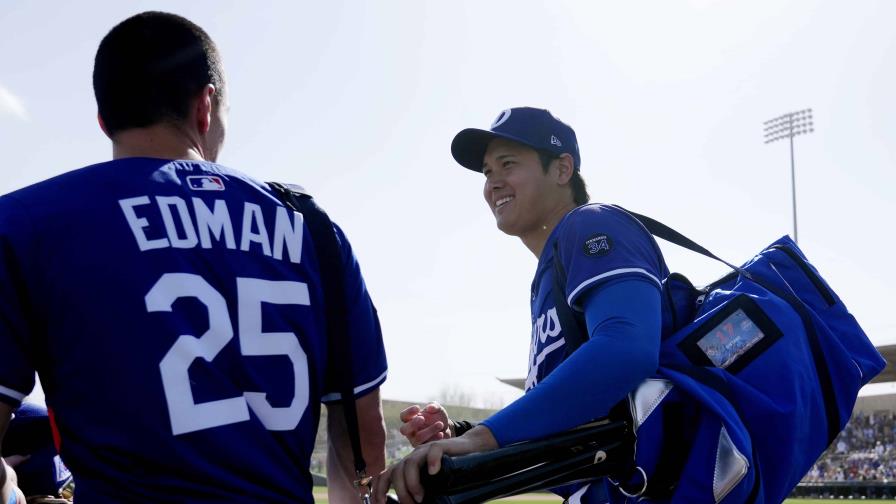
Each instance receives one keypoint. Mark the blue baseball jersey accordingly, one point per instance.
(597, 244)
(174, 312)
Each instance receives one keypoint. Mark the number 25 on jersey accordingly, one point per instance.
(189, 416)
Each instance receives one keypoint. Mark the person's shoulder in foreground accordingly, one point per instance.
(173, 305)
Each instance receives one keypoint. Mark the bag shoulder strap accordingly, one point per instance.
(660, 230)
(329, 254)
(575, 320)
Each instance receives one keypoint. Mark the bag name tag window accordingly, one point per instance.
(733, 337)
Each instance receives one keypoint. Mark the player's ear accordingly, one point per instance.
(202, 107)
(565, 168)
(99, 120)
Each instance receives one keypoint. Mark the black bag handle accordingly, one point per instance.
(329, 254)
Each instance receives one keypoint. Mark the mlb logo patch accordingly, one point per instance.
(205, 183)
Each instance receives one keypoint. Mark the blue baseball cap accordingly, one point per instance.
(534, 127)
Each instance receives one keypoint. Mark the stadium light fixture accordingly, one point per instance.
(788, 126)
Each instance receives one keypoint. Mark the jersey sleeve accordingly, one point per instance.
(16, 365)
(368, 354)
(599, 244)
(623, 321)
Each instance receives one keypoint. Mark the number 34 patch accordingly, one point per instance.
(598, 245)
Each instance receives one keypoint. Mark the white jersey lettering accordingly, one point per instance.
(546, 326)
(213, 223)
(172, 222)
(252, 218)
(189, 240)
(138, 224)
(288, 235)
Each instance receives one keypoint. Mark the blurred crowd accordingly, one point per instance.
(864, 451)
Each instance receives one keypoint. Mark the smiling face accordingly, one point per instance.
(525, 200)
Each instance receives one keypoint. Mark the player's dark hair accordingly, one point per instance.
(580, 194)
(149, 67)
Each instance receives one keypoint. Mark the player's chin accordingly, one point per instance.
(506, 225)
(502, 227)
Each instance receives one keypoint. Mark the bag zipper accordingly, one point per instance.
(811, 275)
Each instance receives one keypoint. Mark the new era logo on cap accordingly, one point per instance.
(205, 183)
(536, 128)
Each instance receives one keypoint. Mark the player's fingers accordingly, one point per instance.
(434, 459)
(411, 429)
(435, 412)
(407, 429)
(381, 486)
(399, 485)
(409, 413)
(414, 424)
(428, 434)
(413, 465)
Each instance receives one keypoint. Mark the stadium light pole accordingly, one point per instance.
(788, 126)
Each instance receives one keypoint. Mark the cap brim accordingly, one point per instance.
(469, 146)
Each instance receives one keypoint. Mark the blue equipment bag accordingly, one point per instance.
(758, 373)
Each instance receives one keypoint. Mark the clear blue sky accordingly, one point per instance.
(358, 101)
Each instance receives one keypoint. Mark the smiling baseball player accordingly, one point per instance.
(613, 269)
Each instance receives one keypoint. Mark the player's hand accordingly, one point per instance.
(10, 487)
(404, 476)
(431, 423)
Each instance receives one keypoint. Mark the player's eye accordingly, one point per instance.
(486, 172)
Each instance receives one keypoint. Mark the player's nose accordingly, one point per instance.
(494, 183)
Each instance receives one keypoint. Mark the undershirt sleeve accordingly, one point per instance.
(624, 320)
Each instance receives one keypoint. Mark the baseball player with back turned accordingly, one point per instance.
(530, 162)
(172, 306)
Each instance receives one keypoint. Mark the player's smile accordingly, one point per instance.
(503, 201)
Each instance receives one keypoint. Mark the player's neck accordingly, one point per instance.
(536, 239)
(157, 141)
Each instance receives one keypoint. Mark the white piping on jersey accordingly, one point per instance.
(18, 396)
(360, 388)
(619, 271)
(576, 498)
(548, 349)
